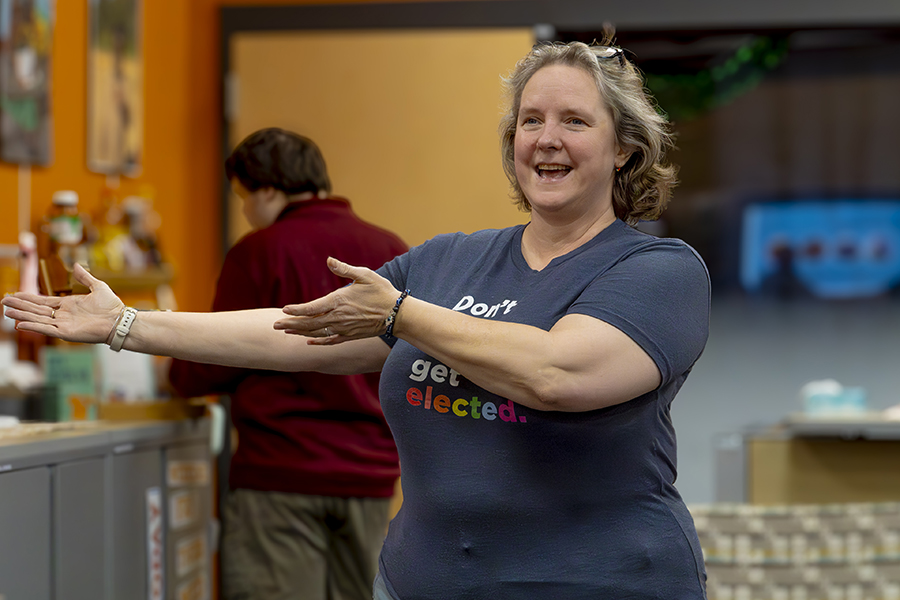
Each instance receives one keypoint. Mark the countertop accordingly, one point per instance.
(30, 444)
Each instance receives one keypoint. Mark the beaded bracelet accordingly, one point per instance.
(389, 321)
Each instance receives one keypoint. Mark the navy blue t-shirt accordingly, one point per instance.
(502, 501)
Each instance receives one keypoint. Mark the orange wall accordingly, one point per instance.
(189, 242)
(182, 123)
(203, 113)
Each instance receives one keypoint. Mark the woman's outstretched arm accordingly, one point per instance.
(239, 338)
(581, 364)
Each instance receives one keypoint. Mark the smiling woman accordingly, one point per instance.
(576, 328)
(566, 152)
(643, 183)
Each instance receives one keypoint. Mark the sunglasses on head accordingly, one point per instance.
(607, 52)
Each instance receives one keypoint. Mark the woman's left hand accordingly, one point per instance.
(352, 312)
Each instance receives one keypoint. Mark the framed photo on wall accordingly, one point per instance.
(26, 39)
(115, 119)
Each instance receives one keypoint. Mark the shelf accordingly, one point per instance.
(868, 426)
(129, 281)
(141, 411)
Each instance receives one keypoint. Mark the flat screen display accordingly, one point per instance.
(836, 249)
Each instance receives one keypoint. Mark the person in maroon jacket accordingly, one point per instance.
(315, 465)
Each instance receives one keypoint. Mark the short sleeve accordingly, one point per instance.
(659, 296)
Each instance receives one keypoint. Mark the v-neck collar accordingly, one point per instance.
(518, 257)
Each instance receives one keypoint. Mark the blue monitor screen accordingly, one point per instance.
(828, 249)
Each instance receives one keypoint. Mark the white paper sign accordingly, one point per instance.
(195, 588)
(125, 376)
(184, 508)
(155, 556)
(187, 472)
(190, 553)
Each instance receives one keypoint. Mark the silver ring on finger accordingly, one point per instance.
(328, 333)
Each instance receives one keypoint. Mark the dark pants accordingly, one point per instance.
(278, 546)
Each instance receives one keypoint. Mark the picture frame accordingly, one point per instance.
(26, 118)
(115, 87)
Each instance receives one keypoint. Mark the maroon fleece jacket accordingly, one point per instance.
(304, 433)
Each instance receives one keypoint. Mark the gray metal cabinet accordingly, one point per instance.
(133, 475)
(109, 512)
(80, 529)
(25, 546)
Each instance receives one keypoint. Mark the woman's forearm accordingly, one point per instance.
(246, 339)
(580, 364)
(492, 355)
(237, 339)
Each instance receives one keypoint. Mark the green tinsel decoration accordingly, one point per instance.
(685, 96)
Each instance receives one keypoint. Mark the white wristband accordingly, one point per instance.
(122, 329)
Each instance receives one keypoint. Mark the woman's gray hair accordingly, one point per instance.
(643, 186)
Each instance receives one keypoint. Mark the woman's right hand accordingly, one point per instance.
(352, 312)
(88, 318)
